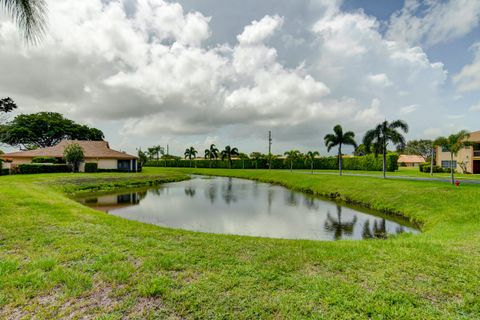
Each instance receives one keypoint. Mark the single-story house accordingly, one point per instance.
(466, 160)
(98, 152)
(410, 160)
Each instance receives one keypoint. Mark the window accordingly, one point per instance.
(124, 165)
(446, 164)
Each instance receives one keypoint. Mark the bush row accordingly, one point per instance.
(47, 160)
(366, 163)
(425, 167)
(32, 168)
(91, 167)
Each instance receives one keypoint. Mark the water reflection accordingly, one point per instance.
(234, 206)
(338, 227)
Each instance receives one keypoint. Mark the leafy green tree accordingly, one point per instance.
(256, 156)
(74, 156)
(292, 156)
(270, 158)
(156, 151)
(382, 135)
(453, 144)
(45, 129)
(228, 153)
(190, 153)
(360, 151)
(211, 153)
(243, 157)
(339, 138)
(7, 105)
(310, 157)
(142, 157)
(28, 15)
(419, 147)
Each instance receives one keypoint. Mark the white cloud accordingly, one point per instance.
(408, 109)
(259, 31)
(432, 22)
(468, 79)
(475, 108)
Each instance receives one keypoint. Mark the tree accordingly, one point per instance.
(74, 155)
(155, 151)
(453, 144)
(339, 138)
(211, 153)
(190, 153)
(142, 157)
(7, 105)
(270, 158)
(29, 16)
(45, 129)
(310, 157)
(243, 157)
(292, 155)
(360, 151)
(381, 135)
(228, 153)
(256, 156)
(419, 147)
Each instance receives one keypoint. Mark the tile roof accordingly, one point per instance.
(91, 149)
(410, 158)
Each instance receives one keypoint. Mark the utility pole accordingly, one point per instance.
(269, 142)
(167, 150)
(269, 149)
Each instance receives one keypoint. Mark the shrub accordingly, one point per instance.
(45, 160)
(425, 167)
(4, 172)
(91, 167)
(74, 155)
(366, 163)
(33, 168)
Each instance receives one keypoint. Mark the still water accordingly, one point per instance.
(245, 207)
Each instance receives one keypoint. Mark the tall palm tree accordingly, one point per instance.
(256, 156)
(190, 153)
(381, 135)
(453, 144)
(211, 153)
(310, 157)
(228, 153)
(292, 155)
(29, 16)
(339, 138)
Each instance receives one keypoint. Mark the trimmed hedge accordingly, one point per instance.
(45, 160)
(33, 168)
(366, 163)
(425, 167)
(91, 167)
(4, 172)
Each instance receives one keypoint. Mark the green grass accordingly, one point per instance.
(59, 259)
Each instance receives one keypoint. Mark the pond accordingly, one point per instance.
(245, 207)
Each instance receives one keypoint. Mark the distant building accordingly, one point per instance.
(410, 160)
(468, 157)
(95, 151)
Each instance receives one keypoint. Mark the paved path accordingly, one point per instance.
(462, 180)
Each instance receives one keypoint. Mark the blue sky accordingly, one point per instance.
(193, 72)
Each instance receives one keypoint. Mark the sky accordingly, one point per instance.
(191, 73)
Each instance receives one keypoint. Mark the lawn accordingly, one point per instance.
(59, 259)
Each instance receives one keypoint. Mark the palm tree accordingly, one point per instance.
(292, 155)
(338, 138)
(381, 135)
(454, 143)
(211, 153)
(243, 157)
(256, 156)
(190, 153)
(29, 16)
(228, 153)
(310, 157)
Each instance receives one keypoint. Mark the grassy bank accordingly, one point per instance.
(61, 259)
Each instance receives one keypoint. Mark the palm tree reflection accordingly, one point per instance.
(190, 191)
(227, 192)
(379, 230)
(211, 192)
(339, 227)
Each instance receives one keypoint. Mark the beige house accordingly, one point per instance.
(95, 151)
(467, 159)
(410, 160)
